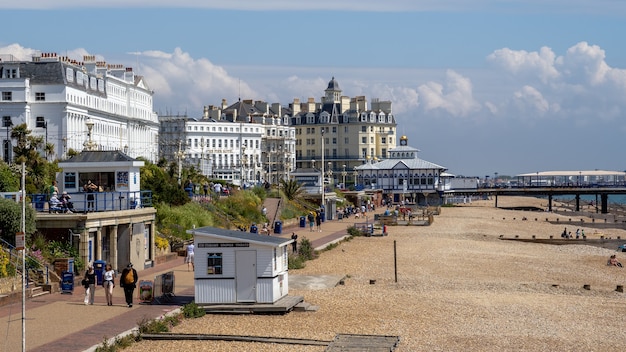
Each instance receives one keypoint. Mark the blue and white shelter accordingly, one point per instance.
(239, 267)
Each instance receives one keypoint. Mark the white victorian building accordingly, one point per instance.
(403, 176)
(58, 97)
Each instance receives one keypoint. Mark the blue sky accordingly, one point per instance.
(478, 86)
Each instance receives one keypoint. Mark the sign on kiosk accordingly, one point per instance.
(19, 241)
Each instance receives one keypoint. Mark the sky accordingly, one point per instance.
(479, 87)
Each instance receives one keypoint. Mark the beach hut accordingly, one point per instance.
(239, 267)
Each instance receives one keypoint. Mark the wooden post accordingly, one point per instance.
(395, 260)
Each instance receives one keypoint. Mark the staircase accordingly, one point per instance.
(272, 205)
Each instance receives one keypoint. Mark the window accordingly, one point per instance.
(214, 264)
(6, 121)
(363, 140)
(40, 96)
(383, 140)
(69, 180)
(7, 96)
(41, 122)
(363, 128)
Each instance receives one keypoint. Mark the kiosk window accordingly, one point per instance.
(214, 264)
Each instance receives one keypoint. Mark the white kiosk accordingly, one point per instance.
(239, 267)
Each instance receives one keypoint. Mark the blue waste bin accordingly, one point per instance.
(278, 227)
(303, 221)
(40, 201)
(67, 282)
(98, 267)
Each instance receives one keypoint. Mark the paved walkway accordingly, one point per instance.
(61, 322)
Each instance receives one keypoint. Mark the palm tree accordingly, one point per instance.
(291, 188)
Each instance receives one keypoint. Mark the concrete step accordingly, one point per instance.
(305, 307)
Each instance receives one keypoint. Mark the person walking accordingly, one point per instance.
(294, 244)
(311, 219)
(318, 221)
(189, 258)
(128, 281)
(90, 285)
(108, 283)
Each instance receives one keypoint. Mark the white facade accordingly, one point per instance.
(55, 96)
(239, 267)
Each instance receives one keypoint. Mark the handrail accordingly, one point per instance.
(12, 248)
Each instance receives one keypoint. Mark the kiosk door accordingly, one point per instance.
(245, 272)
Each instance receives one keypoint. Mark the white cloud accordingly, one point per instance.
(521, 63)
(455, 98)
(505, 6)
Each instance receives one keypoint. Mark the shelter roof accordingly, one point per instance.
(240, 236)
(574, 173)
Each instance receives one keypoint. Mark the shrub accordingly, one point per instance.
(161, 243)
(296, 262)
(192, 310)
(306, 251)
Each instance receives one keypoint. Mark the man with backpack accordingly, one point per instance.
(128, 281)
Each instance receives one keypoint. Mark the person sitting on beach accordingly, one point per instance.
(613, 261)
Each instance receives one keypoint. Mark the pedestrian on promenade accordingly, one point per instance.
(294, 244)
(108, 283)
(90, 285)
(311, 219)
(189, 259)
(318, 221)
(128, 281)
(254, 228)
(90, 188)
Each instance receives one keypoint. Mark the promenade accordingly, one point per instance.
(62, 322)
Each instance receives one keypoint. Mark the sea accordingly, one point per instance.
(618, 199)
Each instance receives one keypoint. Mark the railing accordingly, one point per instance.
(102, 201)
(13, 253)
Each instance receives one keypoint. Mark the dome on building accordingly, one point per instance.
(333, 84)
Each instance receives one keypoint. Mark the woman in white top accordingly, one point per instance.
(189, 258)
(108, 282)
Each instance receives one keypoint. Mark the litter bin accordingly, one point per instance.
(40, 201)
(67, 282)
(98, 267)
(303, 221)
(278, 227)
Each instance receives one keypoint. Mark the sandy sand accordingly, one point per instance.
(459, 288)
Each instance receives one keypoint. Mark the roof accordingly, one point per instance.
(413, 164)
(240, 236)
(99, 156)
(575, 173)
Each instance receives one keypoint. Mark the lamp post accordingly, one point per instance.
(323, 183)
(343, 176)
(330, 173)
(89, 144)
(180, 155)
(243, 162)
(355, 173)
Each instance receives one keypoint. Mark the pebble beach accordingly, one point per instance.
(459, 287)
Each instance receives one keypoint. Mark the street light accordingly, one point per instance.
(323, 183)
(330, 173)
(89, 144)
(355, 173)
(243, 162)
(180, 155)
(343, 176)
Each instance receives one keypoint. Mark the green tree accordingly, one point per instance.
(164, 188)
(40, 172)
(11, 220)
(9, 178)
(291, 189)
